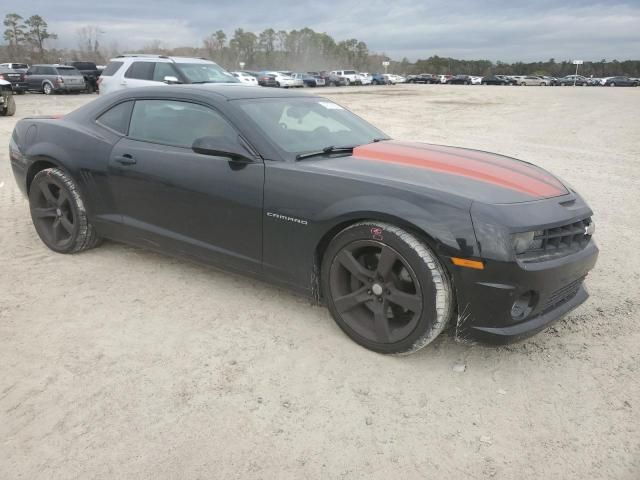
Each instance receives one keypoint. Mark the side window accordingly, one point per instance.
(34, 71)
(49, 71)
(117, 118)
(162, 70)
(177, 123)
(112, 68)
(140, 71)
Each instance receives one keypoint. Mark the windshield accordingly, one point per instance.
(301, 125)
(205, 73)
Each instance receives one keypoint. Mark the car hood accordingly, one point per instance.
(473, 174)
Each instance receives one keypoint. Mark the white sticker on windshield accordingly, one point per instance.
(331, 106)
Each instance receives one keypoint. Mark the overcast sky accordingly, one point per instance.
(495, 30)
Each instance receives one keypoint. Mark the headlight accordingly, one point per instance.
(525, 241)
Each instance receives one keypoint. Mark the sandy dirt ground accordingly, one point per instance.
(120, 363)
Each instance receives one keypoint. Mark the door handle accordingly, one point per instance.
(126, 159)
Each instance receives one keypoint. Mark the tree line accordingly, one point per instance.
(28, 40)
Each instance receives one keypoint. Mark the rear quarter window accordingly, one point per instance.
(112, 68)
(117, 117)
(140, 70)
(70, 72)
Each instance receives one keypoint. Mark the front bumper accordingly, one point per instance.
(486, 297)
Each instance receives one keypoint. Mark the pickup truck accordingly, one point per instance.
(90, 72)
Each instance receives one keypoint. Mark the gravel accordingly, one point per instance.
(121, 363)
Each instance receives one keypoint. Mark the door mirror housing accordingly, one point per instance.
(170, 79)
(221, 147)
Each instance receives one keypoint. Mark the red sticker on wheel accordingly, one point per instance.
(376, 233)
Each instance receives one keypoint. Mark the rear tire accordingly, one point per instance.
(58, 213)
(385, 288)
(47, 89)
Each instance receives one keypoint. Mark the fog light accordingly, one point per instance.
(523, 305)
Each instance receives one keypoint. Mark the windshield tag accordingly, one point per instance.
(331, 106)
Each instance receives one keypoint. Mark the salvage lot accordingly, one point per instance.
(121, 363)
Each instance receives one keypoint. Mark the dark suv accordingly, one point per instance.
(90, 72)
(18, 84)
(50, 79)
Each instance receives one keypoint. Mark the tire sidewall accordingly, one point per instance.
(427, 323)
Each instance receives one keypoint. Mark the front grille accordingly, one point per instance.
(558, 241)
(562, 295)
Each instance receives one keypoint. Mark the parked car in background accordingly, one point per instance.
(494, 80)
(365, 78)
(308, 80)
(459, 80)
(141, 70)
(264, 79)
(476, 80)
(423, 78)
(330, 79)
(620, 82)
(7, 102)
(18, 67)
(90, 72)
(443, 78)
(573, 80)
(16, 79)
(379, 79)
(246, 78)
(531, 80)
(54, 78)
(351, 77)
(552, 81)
(283, 80)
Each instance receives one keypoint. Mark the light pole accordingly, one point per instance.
(241, 65)
(385, 64)
(577, 63)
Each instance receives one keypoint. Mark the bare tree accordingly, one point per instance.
(89, 43)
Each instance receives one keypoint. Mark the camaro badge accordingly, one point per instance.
(287, 218)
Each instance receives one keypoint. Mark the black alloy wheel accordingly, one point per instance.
(385, 288)
(58, 213)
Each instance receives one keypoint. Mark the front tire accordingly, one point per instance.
(58, 213)
(10, 107)
(385, 288)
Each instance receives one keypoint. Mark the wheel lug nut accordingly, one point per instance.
(379, 299)
(369, 292)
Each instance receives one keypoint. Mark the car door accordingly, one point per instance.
(31, 78)
(173, 199)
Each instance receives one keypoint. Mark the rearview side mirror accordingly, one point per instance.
(221, 147)
(170, 79)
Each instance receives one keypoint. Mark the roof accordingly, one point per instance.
(234, 91)
(167, 58)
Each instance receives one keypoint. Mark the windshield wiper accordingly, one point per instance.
(326, 151)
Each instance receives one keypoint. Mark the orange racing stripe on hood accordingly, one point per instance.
(497, 170)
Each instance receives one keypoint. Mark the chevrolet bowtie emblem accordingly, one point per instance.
(590, 229)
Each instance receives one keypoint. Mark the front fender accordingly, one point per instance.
(449, 228)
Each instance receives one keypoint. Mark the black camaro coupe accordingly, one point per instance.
(398, 239)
